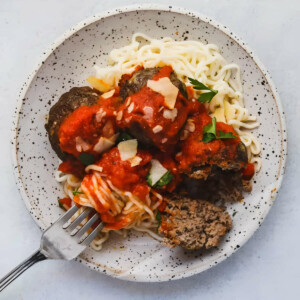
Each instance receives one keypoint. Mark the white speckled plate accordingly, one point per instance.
(69, 62)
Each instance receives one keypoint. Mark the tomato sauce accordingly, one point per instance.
(81, 130)
(74, 167)
(194, 152)
(125, 177)
(146, 108)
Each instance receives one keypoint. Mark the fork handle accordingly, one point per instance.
(16, 272)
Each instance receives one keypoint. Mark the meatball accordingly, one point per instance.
(193, 224)
(67, 104)
(145, 112)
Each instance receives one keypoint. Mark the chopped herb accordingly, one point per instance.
(209, 132)
(148, 179)
(234, 213)
(124, 136)
(87, 158)
(164, 180)
(60, 204)
(226, 135)
(76, 192)
(158, 218)
(204, 97)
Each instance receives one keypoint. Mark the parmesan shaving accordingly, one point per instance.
(108, 94)
(166, 88)
(157, 171)
(127, 149)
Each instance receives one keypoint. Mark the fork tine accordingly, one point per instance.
(93, 234)
(78, 220)
(64, 218)
(86, 226)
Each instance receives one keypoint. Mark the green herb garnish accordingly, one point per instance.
(209, 132)
(86, 158)
(164, 180)
(234, 213)
(204, 97)
(158, 218)
(124, 136)
(76, 192)
(60, 204)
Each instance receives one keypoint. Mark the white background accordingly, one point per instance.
(267, 267)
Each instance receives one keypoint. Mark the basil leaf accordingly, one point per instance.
(148, 179)
(124, 136)
(158, 218)
(199, 86)
(60, 204)
(208, 137)
(86, 158)
(226, 135)
(164, 180)
(76, 192)
(209, 132)
(206, 97)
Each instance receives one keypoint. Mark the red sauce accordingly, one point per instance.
(195, 152)
(84, 123)
(125, 177)
(66, 203)
(74, 167)
(248, 172)
(147, 99)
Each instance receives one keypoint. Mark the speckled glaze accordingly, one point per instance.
(69, 62)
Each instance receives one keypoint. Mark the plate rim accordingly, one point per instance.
(148, 7)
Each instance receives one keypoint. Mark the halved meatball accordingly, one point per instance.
(67, 104)
(193, 224)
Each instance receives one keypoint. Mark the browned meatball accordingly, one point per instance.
(67, 103)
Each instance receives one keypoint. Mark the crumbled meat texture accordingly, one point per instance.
(67, 103)
(139, 79)
(193, 224)
(219, 185)
(224, 162)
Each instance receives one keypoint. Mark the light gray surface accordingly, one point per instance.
(267, 267)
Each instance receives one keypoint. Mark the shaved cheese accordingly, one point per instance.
(119, 115)
(131, 107)
(81, 145)
(166, 88)
(148, 110)
(157, 129)
(157, 171)
(103, 145)
(170, 114)
(108, 94)
(135, 161)
(127, 149)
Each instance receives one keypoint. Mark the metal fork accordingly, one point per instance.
(62, 240)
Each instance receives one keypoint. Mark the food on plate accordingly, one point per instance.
(193, 224)
(157, 144)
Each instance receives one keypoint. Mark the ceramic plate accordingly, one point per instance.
(69, 62)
